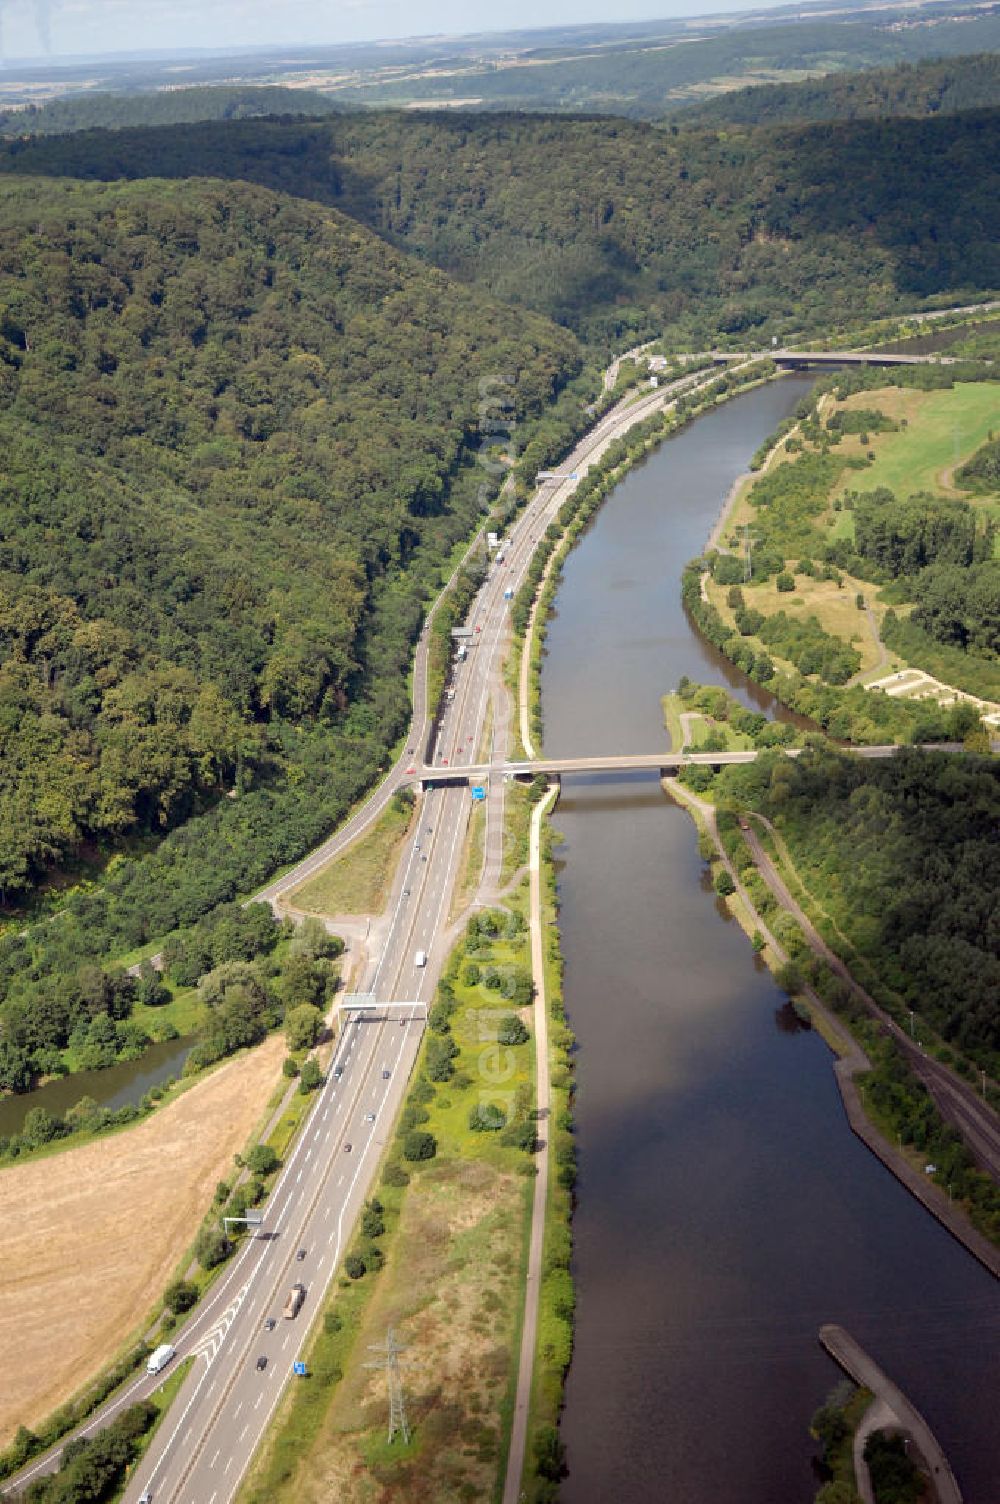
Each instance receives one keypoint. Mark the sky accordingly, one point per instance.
(34, 28)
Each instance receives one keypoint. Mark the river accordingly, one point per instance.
(118, 1085)
(725, 1209)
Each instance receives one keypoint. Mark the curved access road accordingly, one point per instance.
(892, 1411)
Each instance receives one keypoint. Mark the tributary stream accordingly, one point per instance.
(725, 1208)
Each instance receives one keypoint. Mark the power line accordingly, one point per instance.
(389, 1352)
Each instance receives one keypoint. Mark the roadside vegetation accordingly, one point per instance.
(358, 882)
(439, 1255)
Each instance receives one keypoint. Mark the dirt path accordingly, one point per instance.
(90, 1237)
(529, 1331)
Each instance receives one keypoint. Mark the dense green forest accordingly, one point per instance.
(904, 855)
(937, 86)
(616, 228)
(86, 111)
(232, 427)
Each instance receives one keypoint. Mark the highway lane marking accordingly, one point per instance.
(336, 1254)
(229, 1463)
(492, 647)
(239, 1407)
(256, 1403)
(244, 1431)
(248, 1250)
(216, 1457)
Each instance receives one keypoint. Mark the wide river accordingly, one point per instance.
(725, 1209)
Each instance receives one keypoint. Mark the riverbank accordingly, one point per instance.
(851, 1060)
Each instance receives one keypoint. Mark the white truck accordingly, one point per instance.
(420, 959)
(159, 1359)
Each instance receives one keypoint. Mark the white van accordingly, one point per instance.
(420, 959)
(160, 1358)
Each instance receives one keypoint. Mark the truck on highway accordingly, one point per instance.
(159, 1358)
(420, 959)
(293, 1304)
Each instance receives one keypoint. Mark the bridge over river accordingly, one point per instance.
(793, 359)
(554, 767)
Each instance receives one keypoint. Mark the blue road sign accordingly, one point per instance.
(478, 793)
(300, 1369)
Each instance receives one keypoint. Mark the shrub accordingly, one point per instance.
(354, 1266)
(180, 1296)
(486, 1117)
(419, 1144)
(262, 1160)
(303, 1027)
(511, 1030)
(211, 1247)
(724, 884)
(785, 582)
(311, 1078)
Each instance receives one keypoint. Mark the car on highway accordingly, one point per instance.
(147, 1497)
(300, 1255)
(406, 892)
(386, 1072)
(261, 1363)
(369, 1117)
(338, 1071)
(347, 1148)
(270, 1323)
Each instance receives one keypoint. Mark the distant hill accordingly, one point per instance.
(86, 111)
(646, 76)
(941, 86)
(615, 228)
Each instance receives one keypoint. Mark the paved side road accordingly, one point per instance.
(898, 1412)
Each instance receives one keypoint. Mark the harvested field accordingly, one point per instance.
(89, 1238)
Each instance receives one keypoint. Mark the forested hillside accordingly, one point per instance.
(618, 229)
(233, 431)
(941, 86)
(903, 855)
(80, 112)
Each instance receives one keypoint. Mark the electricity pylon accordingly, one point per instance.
(389, 1352)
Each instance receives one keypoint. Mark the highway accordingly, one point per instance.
(201, 1452)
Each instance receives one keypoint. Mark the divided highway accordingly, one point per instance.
(242, 1362)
